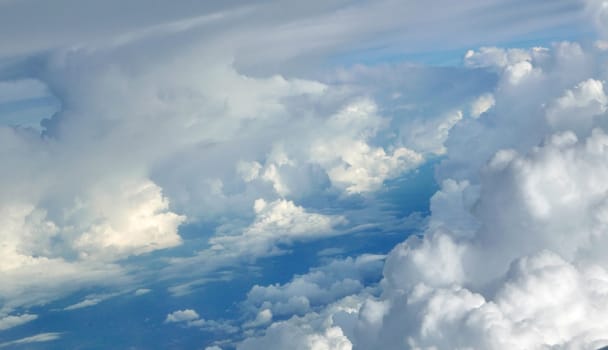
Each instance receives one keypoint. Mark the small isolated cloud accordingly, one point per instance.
(14, 321)
(83, 304)
(185, 315)
(91, 300)
(190, 318)
(38, 338)
(142, 291)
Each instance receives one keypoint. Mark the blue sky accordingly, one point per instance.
(328, 175)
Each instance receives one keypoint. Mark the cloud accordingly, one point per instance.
(11, 321)
(229, 137)
(38, 338)
(320, 286)
(190, 318)
(175, 115)
(585, 101)
(277, 222)
(277, 225)
(323, 330)
(141, 291)
(143, 224)
(482, 104)
(91, 300)
(83, 304)
(510, 257)
(185, 315)
(263, 318)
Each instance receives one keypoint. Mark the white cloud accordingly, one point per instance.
(90, 300)
(351, 163)
(39, 280)
(142, 291)
(157, 112)
(11, 321)
(277, 222)
(82, 304)
(314, 331)
(512, 256)
(429, 136)
(263, 318)
(38, 338)
(482, 104)
(320, 286)
(190, 318)
(135, 221)
(185, 315)
(576, 109)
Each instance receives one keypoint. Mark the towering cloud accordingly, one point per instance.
(512, 254)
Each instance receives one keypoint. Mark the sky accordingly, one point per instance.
(319, 175)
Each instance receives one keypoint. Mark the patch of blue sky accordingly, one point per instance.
(453, 57)
(28, 113)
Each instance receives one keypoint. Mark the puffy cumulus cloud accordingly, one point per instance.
(341, 146)
(280, 336)
(136, 221)
(214, 347)
(511, 261)
(511, 256)
(452, 208)
(496, 57)
(364, 169)
(482, 104)
(519, 116)
(514, 64)
(168, 115)
(277, 225)
(185, 315)
(278, 222)
(33, 269)
(318, 287)
(576, 109)
(44, 247)
(550, 198)
(191, 318)
(160, 127)
(351, 163)
(543, 302)
(320, 331)
(263, 318)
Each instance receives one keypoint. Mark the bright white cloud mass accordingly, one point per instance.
(323, 175)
